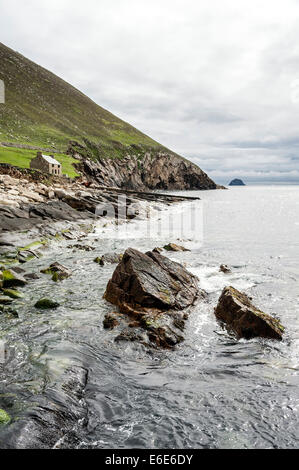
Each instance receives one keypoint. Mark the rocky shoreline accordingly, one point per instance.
(34, 206)
(149, 296)
(149, 287)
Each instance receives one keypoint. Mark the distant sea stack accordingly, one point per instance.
(237, 182)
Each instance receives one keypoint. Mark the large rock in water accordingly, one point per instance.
(239, 315)
(154, 293)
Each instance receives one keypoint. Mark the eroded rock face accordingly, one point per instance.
(154, 293)
(154, 171)
(239, 315)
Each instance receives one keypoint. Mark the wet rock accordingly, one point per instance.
(108, 258)
(5, 300)
(155, 292)
(239, 315)
(13, 279)
(57, 271)
(225, 269)
(55, 416)
(4, 417)
(157, 250)
(82, 247)
(129, 335)
(19, 270)
(46, 304)
(151, 281)
(174, 247)
(31, 276)
(27, 255)
(110, 321)
(14, 294)
(10, 312)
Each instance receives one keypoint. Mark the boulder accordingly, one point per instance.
(154, 291)
(236, 312)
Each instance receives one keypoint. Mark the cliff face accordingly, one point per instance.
(153, 171)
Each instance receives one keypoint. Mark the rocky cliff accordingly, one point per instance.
(155, 170)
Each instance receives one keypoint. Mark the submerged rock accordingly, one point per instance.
(155, 292)
(46, 304)
(58, 272)
(239, 315)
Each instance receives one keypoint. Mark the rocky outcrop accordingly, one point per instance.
(236, 182)
(154, 293)
(236, 312)
(154, 170)
(27, 205)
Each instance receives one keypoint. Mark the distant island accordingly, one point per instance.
(237, 182)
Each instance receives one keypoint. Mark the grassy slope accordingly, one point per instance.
(43, 110)
(21, 158)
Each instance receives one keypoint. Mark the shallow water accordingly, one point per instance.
(212, 391)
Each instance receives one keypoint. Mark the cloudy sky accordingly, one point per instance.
(217, 81)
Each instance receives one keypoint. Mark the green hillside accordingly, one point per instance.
(22, 158)
(43, 110)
